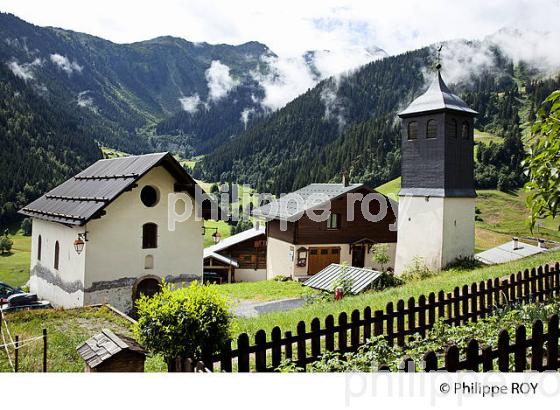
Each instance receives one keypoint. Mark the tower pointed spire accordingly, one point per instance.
(438, 57)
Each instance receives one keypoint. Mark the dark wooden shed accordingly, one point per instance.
(108, 352)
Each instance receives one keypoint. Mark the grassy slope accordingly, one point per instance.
(14, 267)
(262, 290)
(446, 281)
(66, 330)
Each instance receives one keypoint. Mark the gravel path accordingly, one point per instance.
(251, 309)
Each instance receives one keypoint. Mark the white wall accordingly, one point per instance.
(280, 258)
(63, 286)
(250, 275)
(439, 230)
(114, 247)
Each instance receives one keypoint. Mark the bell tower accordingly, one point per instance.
(436, 201)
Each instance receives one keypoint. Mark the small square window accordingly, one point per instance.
(324, 251)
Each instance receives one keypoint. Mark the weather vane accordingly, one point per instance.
(438, 59)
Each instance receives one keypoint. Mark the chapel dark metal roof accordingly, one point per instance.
(438, 97)
(291, 206)
(85, 195)
(105, 345)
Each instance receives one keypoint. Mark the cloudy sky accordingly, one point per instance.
(292, 26)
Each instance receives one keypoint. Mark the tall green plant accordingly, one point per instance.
(543, 162)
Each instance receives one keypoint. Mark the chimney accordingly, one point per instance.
(515, 243)
(541, 243)
(345, 181)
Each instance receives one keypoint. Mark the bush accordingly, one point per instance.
(343, 280)
(417, 270)
(386, 280)
(5, 244)
(281, 278)
(188, 322)
(26, 226)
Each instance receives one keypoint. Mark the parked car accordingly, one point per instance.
(7, 290)
(21, 301)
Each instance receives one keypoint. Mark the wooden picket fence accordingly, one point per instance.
(397, 322)
(537, 353)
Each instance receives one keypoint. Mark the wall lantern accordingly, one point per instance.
(80, 242)
(301, 257)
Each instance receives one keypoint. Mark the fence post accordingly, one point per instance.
(520, 350)
(342, 332)
(441, 304)
(243, 353)
(329, 336)
(276, 336)
(557, 279)
(512, 288)
(540, 284)
(430, 361)
(422, 315)
(354, 329)
(552, 345)
(378, 323)
(315, 338)
(431, 309)
(16, 361)
(226, 359)
(482, 299)
(503, 351)
(473, 302)
(260, 353)
(537, 348)
(288, 346)
(301, 345)
(526, 286)
(487, 364)
(411, 325)
(367, 324)
(390, 317)
(44, 350)
(400, 322)
(489, 296)
(452, 359)
(472, 356)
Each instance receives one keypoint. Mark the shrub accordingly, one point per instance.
(417, 270)
(381, 255)
(26, 226)
(386, 280)
(343, 280)
(5, 244)
(281, 278)
(186, 322)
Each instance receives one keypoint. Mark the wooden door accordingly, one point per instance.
(358, 256)
(320, 258)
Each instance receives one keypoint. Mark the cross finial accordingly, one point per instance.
(438, 58)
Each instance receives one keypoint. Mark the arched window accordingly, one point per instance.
(431, 129)
(412, 131)
(465, 131)
(149, 236)
(56, 254)
(149, 196)
(39, 245)
(452, 128)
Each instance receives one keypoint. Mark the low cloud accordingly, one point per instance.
(85, 100)
(220, 82)
(25, 71)
(63, 63)
(190, 104)
(245, 114)
(285, 78)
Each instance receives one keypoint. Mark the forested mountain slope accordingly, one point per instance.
(350, 123)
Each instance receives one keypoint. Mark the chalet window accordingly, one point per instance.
(335, 251)
(412, 132)
(465, 131)
(56, 255)
(334, 221)
(39, 246)
(149, 196)
(313, 252)
(452, 129)
(431, 129)
(149, 236)
(324, 251)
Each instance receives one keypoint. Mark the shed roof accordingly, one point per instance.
(506, 253)
(85, 195)
(437, 97)
(105, 345)
(291, 206)
(361, 278)
(212, 251)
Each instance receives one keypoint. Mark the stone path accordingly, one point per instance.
(251, 309)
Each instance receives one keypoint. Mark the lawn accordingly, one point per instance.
(447, 281)
(262, 291)
(66, 330)
(14, 267)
